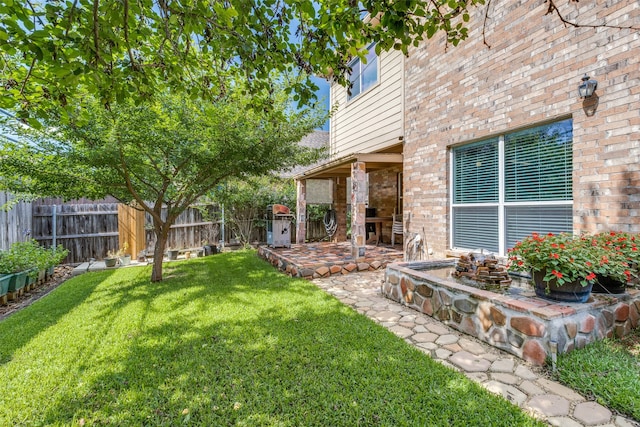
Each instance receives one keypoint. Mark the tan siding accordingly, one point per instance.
(373, 120)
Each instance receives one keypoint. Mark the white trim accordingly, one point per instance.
(502, 227)
(501, 204)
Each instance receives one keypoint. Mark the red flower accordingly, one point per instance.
(554, 256)
(520, 263)
(591, 276)
(557, 274)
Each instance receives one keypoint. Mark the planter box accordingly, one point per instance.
(4, 287)
(18, 280)
(32, 276)
(16, 285)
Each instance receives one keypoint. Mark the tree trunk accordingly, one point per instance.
(162, 234)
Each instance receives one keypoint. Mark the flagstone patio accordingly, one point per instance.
(315, 260)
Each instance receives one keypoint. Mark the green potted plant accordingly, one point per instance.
(564, 267)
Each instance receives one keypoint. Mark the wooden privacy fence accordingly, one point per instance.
(15, 224)
(90, 229)
(190, 230)
(86, 230)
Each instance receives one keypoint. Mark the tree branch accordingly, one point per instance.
(26, 78)
(125, 28)
(484, 24)
(96, 33)
(71, 10)
(554, 9)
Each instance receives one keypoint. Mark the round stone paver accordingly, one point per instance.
(469, 362)
(549, 405)
(510, 393)
(591, 413)
(424, 337)
(447, 339)
(503, 365)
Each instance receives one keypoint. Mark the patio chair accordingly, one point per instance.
(396, 228)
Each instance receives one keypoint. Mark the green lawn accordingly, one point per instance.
(609, 370)
(223, 341)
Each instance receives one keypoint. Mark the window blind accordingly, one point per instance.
(476, 172)
(476, 227)
(521, 221)
(538, 163)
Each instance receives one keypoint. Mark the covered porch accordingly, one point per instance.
(364, 193)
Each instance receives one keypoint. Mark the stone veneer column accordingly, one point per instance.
(358, 209)
(340, 205)
(301, 211)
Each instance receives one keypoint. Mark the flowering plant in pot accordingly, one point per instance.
(618, 249)
(563, 260)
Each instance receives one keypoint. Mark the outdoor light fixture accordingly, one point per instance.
(586, 88)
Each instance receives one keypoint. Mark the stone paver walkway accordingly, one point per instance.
(497, 371)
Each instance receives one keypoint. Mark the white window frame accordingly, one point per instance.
(501, 204)
(357, 60)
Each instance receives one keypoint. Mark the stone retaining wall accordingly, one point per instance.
(523, 324)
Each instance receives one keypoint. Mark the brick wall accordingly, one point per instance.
(528, 76)
(383, 195)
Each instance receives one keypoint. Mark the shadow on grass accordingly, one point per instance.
(228, 340)
(21, 327)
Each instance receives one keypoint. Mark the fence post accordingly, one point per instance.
(222, 228)
(131, 229)
(53, 226)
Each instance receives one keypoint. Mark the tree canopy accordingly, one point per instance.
(168, 151)
(118, 49)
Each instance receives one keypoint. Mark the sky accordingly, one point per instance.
(323, 95)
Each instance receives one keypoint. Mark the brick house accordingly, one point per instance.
(493, 143)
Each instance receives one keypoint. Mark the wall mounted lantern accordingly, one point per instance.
(587, 87)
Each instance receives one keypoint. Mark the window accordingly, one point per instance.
(505, 188)
(363, 76)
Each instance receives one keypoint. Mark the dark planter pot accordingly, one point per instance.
(607, 285)
(173, 254)
(568, 292)
(110, 262)
(210, 250)
(18, 280)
